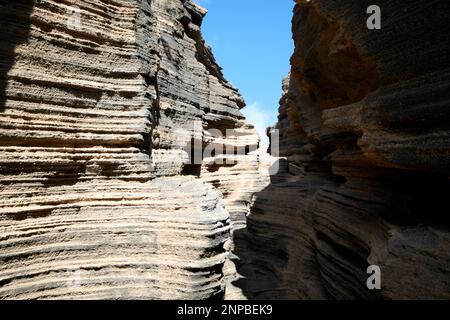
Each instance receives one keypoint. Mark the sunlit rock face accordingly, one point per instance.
(99, 198)
(365, 128)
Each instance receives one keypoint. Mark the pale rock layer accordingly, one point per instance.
(364, 126)
(98, 199)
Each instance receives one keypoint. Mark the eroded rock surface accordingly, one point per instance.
(102, 195)
(98, 195)
(364, 126)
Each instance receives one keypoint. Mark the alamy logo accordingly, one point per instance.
(205, 145)
(374, 21)
(374, 281)
(74, 278)
(74, 20)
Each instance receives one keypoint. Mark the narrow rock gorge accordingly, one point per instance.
(114, 116)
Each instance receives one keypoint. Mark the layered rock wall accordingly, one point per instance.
(98, 195)
(364, 126)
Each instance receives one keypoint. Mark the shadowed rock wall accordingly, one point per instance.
(364, 126)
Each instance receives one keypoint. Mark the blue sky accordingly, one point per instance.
(252, 41)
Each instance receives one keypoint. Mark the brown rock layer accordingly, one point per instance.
(364, 125)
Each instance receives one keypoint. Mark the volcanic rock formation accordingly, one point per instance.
(113, 184)
(99, 197)
(365, 128)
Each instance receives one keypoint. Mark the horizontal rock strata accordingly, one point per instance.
(364, 126)
(99, 198)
